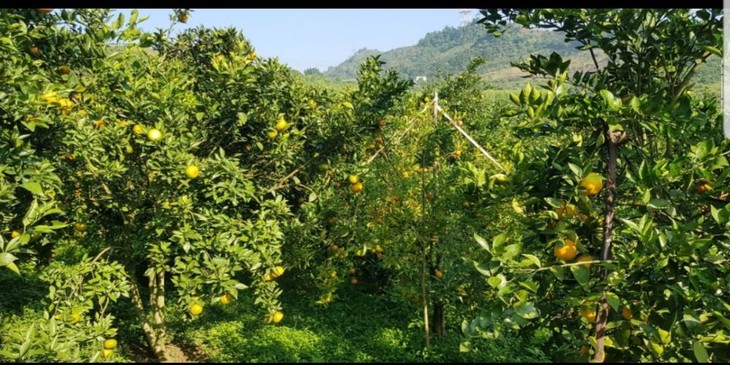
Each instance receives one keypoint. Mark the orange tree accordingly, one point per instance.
(397, 213)
(639, 277)
(39, 93)
(172, 159)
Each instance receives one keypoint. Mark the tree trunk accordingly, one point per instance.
(157, 301)
(149, 330)
(438, 326)
(424, 296)
(613, 140)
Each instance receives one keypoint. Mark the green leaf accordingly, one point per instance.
(614, 301)
(664, 336)
(6, 258)
(499, 240)
(635, 104)
(482, 269)
(611, 101)
(515, 99)
(133, 16)
(33, 187)
(700, 352)
(581, 274)
(658, 203)
(512, 250)
(347, 105)
(533, 259)
(496, 281)
(577, 171)
(13, 268)
(482, 242)
(465, 346)
(526, 310)
(529, 285)
(714, 51)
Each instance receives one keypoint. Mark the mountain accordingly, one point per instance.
(449, 51)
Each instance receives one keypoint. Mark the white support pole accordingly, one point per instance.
(468, 137)
(725, 69)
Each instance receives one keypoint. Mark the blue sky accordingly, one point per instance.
(304, 38)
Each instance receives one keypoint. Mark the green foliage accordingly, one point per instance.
(663, 220)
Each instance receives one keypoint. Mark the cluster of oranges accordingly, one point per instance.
(355, 184)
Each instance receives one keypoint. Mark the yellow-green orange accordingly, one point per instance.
(196, 309)
(110, 344)
(154, 135)
(192, 171)
(281, 124)
(585, 258)
(277, 316)
(592, 184)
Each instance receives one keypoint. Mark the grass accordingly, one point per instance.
(357, 327)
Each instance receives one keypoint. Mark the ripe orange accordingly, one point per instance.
(566, 210)
(183, 18)
(356, 188)
(110, 344)
(154, 135)
(585, 258)
(277, 316)
(278, 271)
(35, 51)
(105, 353)
(272, 134)
(588, 312)
(592, 183)
(15, 234)
(137, 129)
(567, 251)
(457, 153)
(192, 171)
(281, 124)
(439, 274)
(703, 187)
(626, 313)
(268, 277)
(196, 309)
(225, 299)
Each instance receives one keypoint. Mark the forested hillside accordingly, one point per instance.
(449, 51)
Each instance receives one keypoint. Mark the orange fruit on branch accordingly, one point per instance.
(567, 251)
(592, 183)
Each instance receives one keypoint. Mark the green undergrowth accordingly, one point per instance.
(356, 327)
